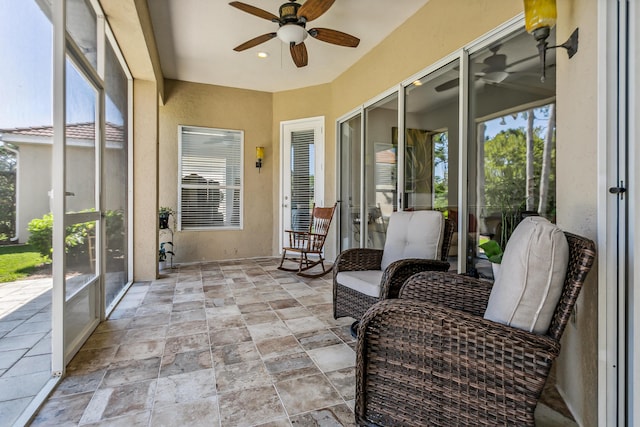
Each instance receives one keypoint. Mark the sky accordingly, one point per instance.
(26, 73)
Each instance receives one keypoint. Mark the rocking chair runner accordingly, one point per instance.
(309, 242)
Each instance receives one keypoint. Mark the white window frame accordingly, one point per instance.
(212, 131)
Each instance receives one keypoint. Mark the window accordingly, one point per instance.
(210, 178)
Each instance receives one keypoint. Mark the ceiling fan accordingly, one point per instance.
(292, 21)
(495, 70)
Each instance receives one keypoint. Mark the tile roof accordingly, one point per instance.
(114, 133)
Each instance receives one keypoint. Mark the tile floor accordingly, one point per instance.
(235, 343)
(25, 344)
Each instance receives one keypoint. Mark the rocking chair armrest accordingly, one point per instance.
(408, 349)
(448, 289)
(358, 259)
(399, 271)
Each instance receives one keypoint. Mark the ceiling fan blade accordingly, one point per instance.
(299, 54)
(312, 9)
(256, 11)
(448, 85)
(254, 42)
(334, 36)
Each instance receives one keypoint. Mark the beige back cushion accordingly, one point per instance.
(417, 234)
(531, 277)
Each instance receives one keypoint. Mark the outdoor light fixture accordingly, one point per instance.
(259, 157)
(539, 17)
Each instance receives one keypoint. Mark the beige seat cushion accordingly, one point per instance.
(531, 277)
(417, 234)
(365, 281)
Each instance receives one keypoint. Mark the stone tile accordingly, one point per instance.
(195, 413)
(334, 357)
(8, 358)
(293, 313)
(281, 422)
(264, 331)
(219, 338)
(154, 309)
(242, 376)
(91, 360)
(309, 300)
(182, 344)
(20, 342)
(114, 402)
(140, 419)
(64, 411)
(131, 371)
(113, 325)
(335, 416)
(307, 393)
(284, 303)
(139, 350)
(187, 328)
(291, 366)
(29, 365)
(250, 407)
(225, 322)
(260, 317)
(187, 306)
(274, 347)
(10, 410)
(188, 316)
(23, 385)
(344, 380)
(81, 383)
(144, 334)
(147, 321)
(173, 364)
(186, 387)
(104, 339)
(344, 333)
(317, 339)
(304, 324)
(253, 307)
(235, 353)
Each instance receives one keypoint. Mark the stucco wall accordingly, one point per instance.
(576, 175)
(221, 107)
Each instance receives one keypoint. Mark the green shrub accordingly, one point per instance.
(41, 230)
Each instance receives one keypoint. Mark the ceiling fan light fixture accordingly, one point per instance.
(292, 33)
(495, 76)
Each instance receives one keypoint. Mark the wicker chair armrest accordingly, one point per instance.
(448, 289)
(399, 271)
(358, 259)
(418, 361)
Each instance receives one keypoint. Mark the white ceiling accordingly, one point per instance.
(196, 39)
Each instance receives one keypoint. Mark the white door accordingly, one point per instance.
(302, 176)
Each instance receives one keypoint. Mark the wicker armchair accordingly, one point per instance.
(351, 302)
(429, 357)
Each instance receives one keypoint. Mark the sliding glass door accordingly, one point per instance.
(473, 137)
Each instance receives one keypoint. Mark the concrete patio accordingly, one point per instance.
(25, 344)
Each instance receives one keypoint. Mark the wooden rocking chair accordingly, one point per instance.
(309, 242)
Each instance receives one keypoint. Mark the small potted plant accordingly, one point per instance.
(494, 253)
(163, 217)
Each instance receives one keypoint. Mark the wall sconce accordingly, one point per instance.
(539, 17)
(259, 157)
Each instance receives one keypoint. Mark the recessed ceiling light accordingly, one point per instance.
(263, 55)
(417, 83)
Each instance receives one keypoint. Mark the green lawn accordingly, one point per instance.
(17, 262)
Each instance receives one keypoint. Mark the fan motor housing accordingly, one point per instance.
(289, 12)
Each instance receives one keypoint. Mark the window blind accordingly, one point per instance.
(210, 178)
(302, 178)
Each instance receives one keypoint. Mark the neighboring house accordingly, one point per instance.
(33, 178)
